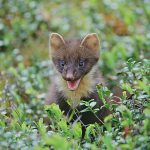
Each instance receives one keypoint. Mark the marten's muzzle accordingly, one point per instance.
(72, 81)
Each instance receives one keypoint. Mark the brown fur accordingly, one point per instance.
(72, 51)
(87, 86)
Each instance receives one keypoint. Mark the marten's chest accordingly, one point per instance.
(86, 87)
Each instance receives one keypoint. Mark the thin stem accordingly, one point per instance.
(97, 117)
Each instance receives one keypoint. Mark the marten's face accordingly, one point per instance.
(74, 58)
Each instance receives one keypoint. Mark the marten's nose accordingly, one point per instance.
(70, 76)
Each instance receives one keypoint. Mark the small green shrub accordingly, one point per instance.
(123, 27)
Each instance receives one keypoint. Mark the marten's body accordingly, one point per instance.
(77, 75)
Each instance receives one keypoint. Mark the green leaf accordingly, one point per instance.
(54, 112)
(127, 87)
(126, 114)
(58, 142)
(89, 130)
(92, 104)
(63, 126)
(77, 131)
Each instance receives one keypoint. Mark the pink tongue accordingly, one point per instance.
(73, 85)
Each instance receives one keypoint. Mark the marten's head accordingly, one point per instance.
(74, 58)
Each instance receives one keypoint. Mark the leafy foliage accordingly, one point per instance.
(25, 71)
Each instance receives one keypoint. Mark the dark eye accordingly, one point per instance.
(62, 63)
(81, 63)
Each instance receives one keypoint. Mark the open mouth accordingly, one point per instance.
(73, 85)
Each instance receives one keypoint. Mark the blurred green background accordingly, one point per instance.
(123, 27)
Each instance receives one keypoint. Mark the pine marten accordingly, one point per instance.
(77, 75)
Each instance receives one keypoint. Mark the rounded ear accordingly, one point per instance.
(56, 41)
(91, 41)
